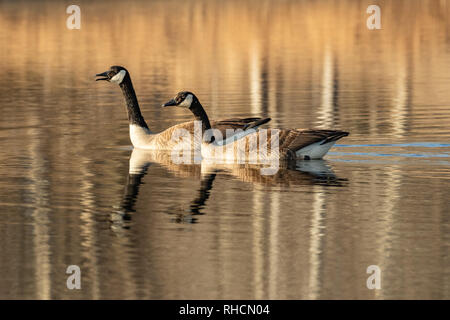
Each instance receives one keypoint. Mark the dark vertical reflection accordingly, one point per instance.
(138, 170)
(265, 86)
(131, 193)
(335, 92)
(203, 193)
(198, 204)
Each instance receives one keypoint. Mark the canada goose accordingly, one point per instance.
(304, 144)
(140, 134)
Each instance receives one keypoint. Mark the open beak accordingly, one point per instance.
(104, 75)
(170, 103)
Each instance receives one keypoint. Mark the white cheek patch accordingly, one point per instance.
(186, 102)
(118, 78)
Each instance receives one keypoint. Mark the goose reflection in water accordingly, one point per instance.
(290, 173)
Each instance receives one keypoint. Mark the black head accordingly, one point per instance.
(116, 74)
(184, 99)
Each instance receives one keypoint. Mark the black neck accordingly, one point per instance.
(134, 113)
(200, 115)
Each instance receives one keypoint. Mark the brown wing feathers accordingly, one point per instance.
(297, 139)
(290, 140)
(256, 123)
(236, 123)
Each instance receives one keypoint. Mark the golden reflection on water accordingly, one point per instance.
(238, 234)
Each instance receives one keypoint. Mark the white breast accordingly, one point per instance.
(140, 137)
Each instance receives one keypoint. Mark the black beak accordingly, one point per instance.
(104, 74)
(170, 103)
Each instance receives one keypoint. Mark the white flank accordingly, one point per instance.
(315, 150)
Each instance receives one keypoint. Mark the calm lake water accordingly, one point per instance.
(167, 231)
